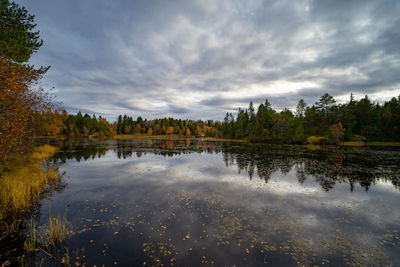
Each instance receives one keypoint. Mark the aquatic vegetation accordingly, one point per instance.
(47, 242)
(30, 244)
(55, 232)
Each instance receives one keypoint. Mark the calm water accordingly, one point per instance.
(189, 203)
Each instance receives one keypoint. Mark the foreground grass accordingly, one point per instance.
(23, 183)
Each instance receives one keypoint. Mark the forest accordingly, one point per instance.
(356, 120)
(324, 121)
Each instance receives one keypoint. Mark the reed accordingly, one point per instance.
(30, 244)
(65, 260)
(56, 232)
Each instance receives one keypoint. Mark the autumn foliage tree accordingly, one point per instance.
(19, 102)
(170, 130)
(50, 122)
(337, 132)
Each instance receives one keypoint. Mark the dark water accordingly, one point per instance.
(189, 203)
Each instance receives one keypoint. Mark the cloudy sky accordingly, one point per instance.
(200, 59)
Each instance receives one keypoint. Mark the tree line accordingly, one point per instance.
(356, 120)
(61, 123)
(167, 126)
(324, 121)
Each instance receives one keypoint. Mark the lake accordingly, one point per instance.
(191, 202)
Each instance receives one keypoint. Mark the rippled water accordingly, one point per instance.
(153, 202)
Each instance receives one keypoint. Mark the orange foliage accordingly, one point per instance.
(50, 123)
(110, 127)
(199, 131)
(18, 106)
(337, 132)
(150, 131)
(170, 130)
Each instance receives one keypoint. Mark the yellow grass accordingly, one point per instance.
(369, 144)
(315, 147)
(352, 143)
(20, 187)
(43, 152)
(225, 139)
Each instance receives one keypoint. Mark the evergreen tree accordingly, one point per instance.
(119, 124)
(301, 108)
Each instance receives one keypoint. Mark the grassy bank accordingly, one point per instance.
(23, 182)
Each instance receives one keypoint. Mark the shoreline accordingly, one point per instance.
(174, 137)
(216, 139)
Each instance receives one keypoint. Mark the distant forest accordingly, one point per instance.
(324, 121)
(362, 120)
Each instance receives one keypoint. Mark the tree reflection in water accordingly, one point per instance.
(327, 167)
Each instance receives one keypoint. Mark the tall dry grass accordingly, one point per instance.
(23, 183)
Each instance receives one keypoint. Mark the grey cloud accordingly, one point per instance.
(193, 57)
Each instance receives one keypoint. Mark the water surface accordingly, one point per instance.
(190, 202)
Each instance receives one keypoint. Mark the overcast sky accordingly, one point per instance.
(200, 59)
